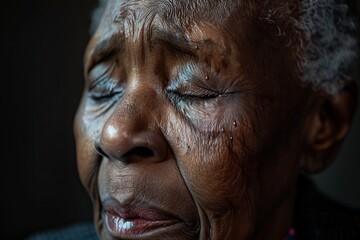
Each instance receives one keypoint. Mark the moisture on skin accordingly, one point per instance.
(193, 108)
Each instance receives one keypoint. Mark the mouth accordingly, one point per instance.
(131, 221)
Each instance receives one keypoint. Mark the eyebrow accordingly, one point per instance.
(107, 48)
(177, 42)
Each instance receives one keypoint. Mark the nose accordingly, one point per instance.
(131, 134)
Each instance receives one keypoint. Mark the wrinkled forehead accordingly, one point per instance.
(133, 15)
(174, 11)
(177, 14)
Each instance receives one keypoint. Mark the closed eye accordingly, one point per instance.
(105, 91)
(194, 95)
(191, 91)
(102, 86)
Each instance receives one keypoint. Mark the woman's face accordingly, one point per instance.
(190, 125)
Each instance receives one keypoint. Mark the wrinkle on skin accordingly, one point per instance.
(227, 177)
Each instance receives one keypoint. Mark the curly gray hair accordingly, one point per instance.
(329, 46)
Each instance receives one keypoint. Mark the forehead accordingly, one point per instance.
(183, 14)
(137, 19)
(171, 10)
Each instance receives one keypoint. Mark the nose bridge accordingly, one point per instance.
(131, 132)
(137, 107)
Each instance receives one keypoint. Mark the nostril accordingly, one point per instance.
(100, 151)
(142, 152)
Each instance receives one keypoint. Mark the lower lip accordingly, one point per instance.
(125, 228)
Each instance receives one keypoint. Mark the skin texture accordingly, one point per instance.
(199, 115)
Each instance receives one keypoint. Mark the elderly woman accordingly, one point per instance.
(199, 118)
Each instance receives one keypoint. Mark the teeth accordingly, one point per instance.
(128, 225)
(122, 225)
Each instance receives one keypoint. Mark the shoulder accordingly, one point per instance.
(72, 232)
(318, 218)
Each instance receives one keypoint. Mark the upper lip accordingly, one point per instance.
(136, 210)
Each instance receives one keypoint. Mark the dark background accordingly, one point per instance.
(42, 45)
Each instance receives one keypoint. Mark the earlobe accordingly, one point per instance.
(327, 128)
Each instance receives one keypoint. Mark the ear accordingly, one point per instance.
(327, 127)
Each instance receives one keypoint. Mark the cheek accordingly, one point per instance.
(280, 166)
(86, 156)
(220, 173)
(85, 160)
(214, 175)
(213, 149)
(213, 115)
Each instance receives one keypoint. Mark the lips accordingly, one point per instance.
(132, 221)
(143, 201)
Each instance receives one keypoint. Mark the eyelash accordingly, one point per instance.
(191, 90)
(177, 96)
(104, 92)
(204, 96)
(103, 88)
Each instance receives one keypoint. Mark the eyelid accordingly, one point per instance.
(195, 90)
(100, 71)
(192, 91)
(102, 86)
(99, 79)
(106, 90)
(99, 60)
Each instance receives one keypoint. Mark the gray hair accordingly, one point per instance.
(327, 44)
